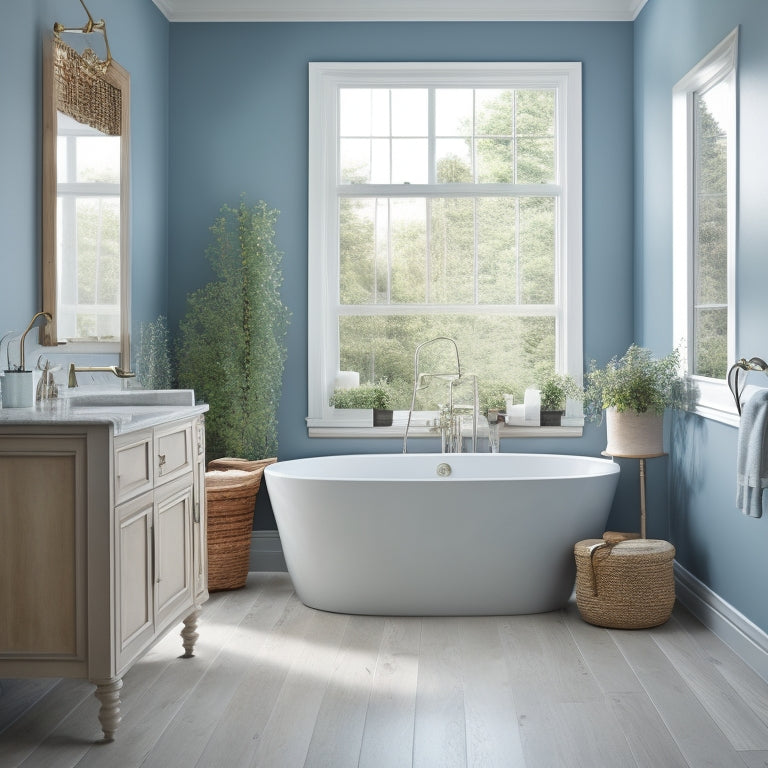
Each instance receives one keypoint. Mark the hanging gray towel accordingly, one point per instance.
(752, 455)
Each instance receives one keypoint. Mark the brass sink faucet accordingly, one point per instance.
(119, 372)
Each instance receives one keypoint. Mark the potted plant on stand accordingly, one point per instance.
(231, 351)
(634, 390)
(378, 397)
(555, 389)
(624, 581)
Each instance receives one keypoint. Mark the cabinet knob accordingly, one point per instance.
(161, 460)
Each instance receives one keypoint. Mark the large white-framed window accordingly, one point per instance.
(704, 210)
(444, 199)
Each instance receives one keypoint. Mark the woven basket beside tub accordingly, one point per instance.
(231, 487)
(625, 584)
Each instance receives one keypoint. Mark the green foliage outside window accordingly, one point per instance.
(710, 307)
(463, 251)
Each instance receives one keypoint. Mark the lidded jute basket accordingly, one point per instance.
(624, 583)
(231, 487)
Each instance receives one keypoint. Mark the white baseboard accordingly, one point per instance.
(266, 552)
(731, 626)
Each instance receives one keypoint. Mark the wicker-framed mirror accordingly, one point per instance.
(86, 201)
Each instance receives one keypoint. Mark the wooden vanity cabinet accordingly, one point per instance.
(102, 549)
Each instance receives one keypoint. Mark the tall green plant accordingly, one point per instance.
(232, 340)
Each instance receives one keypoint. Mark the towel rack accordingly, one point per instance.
(753, 364)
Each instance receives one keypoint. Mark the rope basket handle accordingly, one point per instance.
(591, 552)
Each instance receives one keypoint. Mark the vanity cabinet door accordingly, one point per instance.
(43, 540)
(174, 585)
(134, 565)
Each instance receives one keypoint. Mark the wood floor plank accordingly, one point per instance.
(24, 736)
(699, 739)
(439, 737)
(605, 661)
(493, 737)
(236, 738)
(750, 686)
(573, 734)
(649, 740)
(187, 735)
(74, 737)
(755, 759)
(389, 722)
(286, 737)
(741, 726)
(548, 662)
(338, 733)
(18, 695)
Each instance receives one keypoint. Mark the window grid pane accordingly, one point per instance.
(710, 254)
(483, 135)
(447, 250)
(381, 347)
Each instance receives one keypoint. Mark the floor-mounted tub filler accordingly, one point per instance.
(438, 534)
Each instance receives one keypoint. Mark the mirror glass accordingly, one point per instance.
(87, 232)
(85, 216)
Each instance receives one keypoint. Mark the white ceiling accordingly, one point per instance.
(400, 10)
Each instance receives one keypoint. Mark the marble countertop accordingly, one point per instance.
(126, 418)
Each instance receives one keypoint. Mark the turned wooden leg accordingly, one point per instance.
(189, 634)
(108, 693)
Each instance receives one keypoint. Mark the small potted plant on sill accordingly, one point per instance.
(493, 397)
(634, 390)
(377, 396)
(555, 389)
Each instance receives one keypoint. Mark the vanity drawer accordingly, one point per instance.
(133, 466)
(173, 452)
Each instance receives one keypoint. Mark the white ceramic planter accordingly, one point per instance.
(634, 434)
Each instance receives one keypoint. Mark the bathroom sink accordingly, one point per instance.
(131, 397)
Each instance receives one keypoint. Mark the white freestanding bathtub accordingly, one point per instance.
(438, 534)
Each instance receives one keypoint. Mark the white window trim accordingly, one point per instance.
(711, 397)
(324, 80)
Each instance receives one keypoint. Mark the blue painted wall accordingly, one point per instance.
(138, 37)
(239, 125)
(722, 548)
(221, 109)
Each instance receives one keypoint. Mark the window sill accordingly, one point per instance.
(363, 429)
(711, 399)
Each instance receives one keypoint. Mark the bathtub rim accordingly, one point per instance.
(282, 468)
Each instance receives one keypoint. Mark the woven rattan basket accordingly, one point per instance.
(231, 486)
(625, 584)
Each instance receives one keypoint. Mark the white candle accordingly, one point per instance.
(532, 402)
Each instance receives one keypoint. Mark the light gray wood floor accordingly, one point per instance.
(276, 684)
